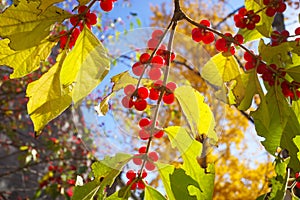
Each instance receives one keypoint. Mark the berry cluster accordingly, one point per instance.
(246, 19)
(200, 34)
(84, 17)
(274, 6)
(107, 5)
(225, 46)
(279, 37)
(138, 97)
(135, 179)
(290, 89)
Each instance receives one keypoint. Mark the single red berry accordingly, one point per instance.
(208, 38)
(221, 44)
(197, 35)
(131, 174)
(142, 149)
(157, 61)
(205, 22)
(129, 89)
(155, 73)
(81, 9)
(250, 26)
(144, 135)
(149, 166)
(144, 58)
(153, 156)
(154, 94)
(127, 102)
(297, 31)
(157, 34)
(243, 11)
(159, 134)
(248, 57)
(91, 18)
(137, 69)
(152, 43)
(270, 11)
(74, 20)
(297, 174)
(143, 93)
(266, 2)
(168, 98)
(171, 86)
(137, 161)
(249, 65)
(281, 8)
(298, 185)
(141, 185)
(106, 5)
(256, 19)
(140, 104)
(144, 122)
(239, 38)
(51, 168)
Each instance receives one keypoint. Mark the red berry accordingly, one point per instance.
(141, 185)
(297, 31)
(144, 174)
(153, 156)
(131, 174)
(81, 9)
(144, 122)
(256, 19)
(106, 5)
(197, 35)
(298, 185)
(144, 58)
(157, 61)
(205, 22)
(74, 20)
(144, 135)
(297, 174)
(127, 102)
(157, 34)
(208, 38)
(51, 168)
(91, 18)
(168, 98)
(281, 8)
(248, 57)
(133, 186)
(159, 134)
(154, 94)
(239, 38)
(171, 86)
(155, 73)
(221, 44)
(142, 149)
(270, 11)
(143, 92)
(152, 43)
(137, 161)
(129, 89)
(250, 26)
(249, 65)
(149, 166)
(140, 104)
(243, 11)
(137, 69)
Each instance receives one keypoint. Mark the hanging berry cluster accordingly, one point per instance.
(83, 18)
(151, 64)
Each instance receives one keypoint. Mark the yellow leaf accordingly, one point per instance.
(47, 99)
(197, 112)
(220, 69)
(26, 26)
(85, 66)
(24, 61)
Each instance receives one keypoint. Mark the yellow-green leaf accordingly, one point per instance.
(24, 61)
(220, 69)
(47, 99)
(45, 4)
(83, 2)
(165, 170)
(26, 26)
(153, 194)
(85, 66)
(197, 112)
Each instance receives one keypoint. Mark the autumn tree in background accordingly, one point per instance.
(192, 88)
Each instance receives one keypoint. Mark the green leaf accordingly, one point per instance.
(83, 2)
(45, 4)
(278, 124)
(47, 99)
(26, 26)
(87, 192)
(220, 69)
(153, 194)
(191, 150)
(296, 140)
(180, 182)
(85, 66)
(165, 170)
(250, 35)
(197, 112)
(264, 26)
(276, 54)
(244, 90)
(24, 61)
(294, 72)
